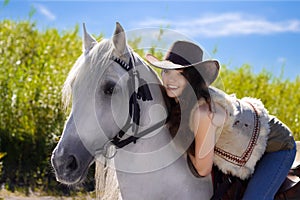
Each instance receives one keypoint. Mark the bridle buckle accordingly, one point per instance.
(109, 150)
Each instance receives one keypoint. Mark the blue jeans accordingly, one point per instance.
(269, 174)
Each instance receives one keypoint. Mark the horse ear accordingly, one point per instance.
(88, 41)
(119, 39)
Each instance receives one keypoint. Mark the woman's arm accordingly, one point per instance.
(205, 125)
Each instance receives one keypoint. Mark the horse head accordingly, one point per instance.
(107, 88)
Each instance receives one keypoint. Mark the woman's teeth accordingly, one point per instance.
(172, 86)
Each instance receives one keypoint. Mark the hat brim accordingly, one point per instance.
(209, 69)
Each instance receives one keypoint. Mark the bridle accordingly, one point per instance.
(140, 91)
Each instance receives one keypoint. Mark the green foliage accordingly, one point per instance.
(33, 67)
(5, 3)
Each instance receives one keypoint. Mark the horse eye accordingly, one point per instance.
(109, 88)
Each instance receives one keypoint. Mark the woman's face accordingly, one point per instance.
(174, 82)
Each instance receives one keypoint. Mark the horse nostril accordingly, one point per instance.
(71, 163)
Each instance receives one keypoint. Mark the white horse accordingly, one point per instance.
(116, 95)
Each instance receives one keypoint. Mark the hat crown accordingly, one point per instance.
(184, 53)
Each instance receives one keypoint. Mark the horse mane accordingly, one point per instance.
(98, 60)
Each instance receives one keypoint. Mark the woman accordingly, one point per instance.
(236, 135)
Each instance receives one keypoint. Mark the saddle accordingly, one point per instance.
(227, 187)
(290, 189)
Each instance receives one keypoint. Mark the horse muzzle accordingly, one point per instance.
(68, 168)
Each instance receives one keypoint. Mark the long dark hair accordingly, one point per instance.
(180, 111)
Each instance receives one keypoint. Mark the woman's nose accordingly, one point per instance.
(171, 77)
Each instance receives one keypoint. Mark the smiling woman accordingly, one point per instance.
(219, 120)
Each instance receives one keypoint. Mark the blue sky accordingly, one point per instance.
(265, 34)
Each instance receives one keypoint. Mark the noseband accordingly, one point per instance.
(140, 91)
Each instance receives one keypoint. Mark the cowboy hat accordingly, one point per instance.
(184, 54)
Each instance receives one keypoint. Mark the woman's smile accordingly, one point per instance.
(172, 87)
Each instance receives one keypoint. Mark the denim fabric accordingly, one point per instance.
(269, 174)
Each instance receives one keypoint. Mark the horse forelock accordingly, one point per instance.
(96, 62)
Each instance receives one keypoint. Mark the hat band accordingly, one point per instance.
(176, 59)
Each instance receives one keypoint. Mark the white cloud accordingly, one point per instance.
(281, 60)
(226, 24)
(45, 11)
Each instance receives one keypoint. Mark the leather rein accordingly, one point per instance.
(139, 91)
